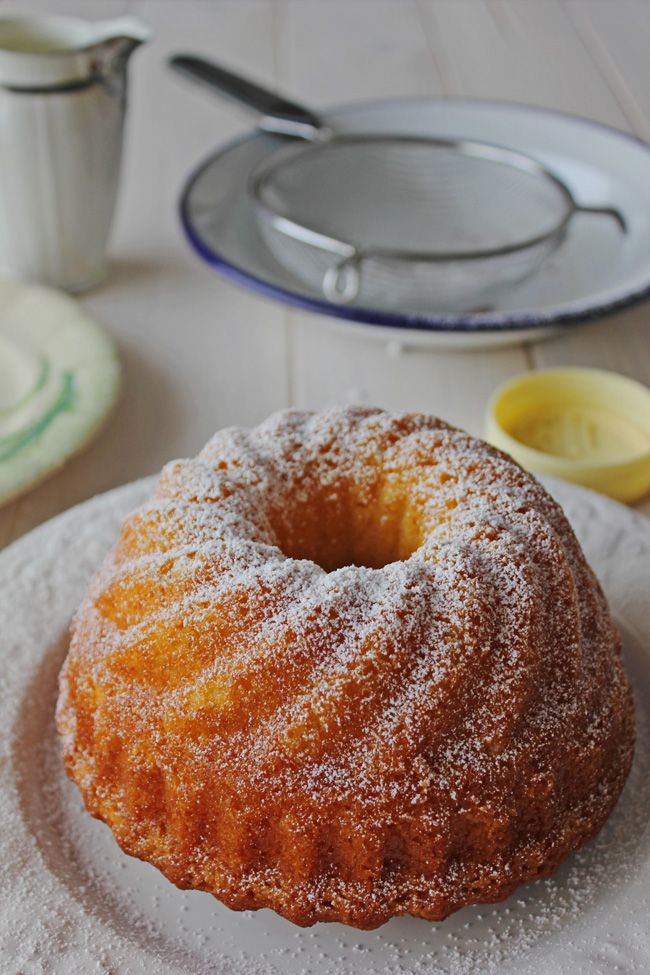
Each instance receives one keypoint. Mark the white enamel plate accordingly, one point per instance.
(59, 378)
(71, 903)
(595, 270)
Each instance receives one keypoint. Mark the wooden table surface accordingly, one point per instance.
(200, 353)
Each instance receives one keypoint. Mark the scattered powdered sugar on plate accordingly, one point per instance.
(71, 902)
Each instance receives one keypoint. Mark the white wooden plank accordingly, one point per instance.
(618, 342)
(456, 386)
(231, 344)
(341, 50)
(517, 50)
(618, 37)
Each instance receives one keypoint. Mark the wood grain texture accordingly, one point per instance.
(518, 51)
(618, 37)
(200, 353)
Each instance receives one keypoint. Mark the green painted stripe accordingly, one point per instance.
(41, 379)
(15, 442)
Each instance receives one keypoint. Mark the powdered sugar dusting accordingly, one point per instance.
(347, 637)
(71, 903)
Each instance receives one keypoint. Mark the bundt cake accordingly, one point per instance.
(347, 665)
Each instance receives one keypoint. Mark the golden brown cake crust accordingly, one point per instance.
(347, 665)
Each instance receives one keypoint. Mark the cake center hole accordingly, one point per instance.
(345, 532)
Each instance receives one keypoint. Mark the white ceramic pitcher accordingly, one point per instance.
(62, 104)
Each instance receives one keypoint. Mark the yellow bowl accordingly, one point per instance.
(588, 426)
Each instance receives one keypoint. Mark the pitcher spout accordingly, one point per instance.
(116, 39)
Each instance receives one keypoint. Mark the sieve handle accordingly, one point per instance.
(606, 212)
(342, 282)
(277, 114)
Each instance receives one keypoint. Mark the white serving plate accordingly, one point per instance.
(71, 903)
(594, 271)
(59, 379)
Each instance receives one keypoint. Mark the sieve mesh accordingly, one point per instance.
(378, 218)
(415, 195)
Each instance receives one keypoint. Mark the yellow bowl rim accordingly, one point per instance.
(563, 463)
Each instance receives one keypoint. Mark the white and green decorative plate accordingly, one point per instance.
(59, 378)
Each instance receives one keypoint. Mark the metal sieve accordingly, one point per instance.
(372, 218)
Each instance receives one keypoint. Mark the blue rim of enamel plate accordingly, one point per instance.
(576, 312)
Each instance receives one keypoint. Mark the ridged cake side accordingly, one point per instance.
(437, 721)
